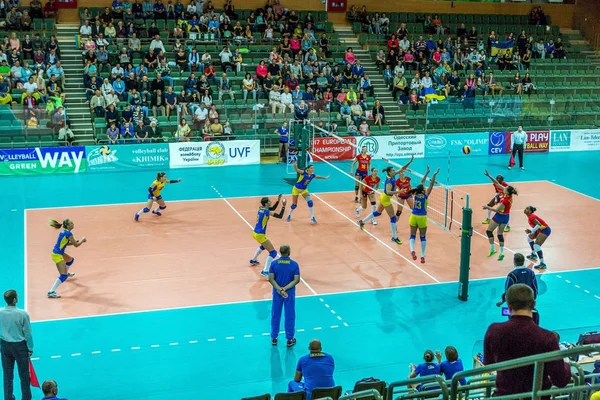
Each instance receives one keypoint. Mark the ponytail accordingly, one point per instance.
(57, 225)
(532, 209)
(511, 190)
(417, 190)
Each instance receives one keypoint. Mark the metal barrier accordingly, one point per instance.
(538, 362)
(370, 394)
(410, 393)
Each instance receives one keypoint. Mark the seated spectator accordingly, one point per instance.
(248, 86)
(215, 128)
(425, 369)
(378, 113)
(225, 87)
(154, 132)
(127, 132)
(301, 111)
(316, 369)
(97, 104)
(451, 365)
(50, 389)
(364, 128)
(113, 134)
(184, 132)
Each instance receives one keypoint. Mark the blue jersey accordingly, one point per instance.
(303, 180)
(317, 370)
(284, 132)
(450, 368)
(420, 204)
(261, 220)
(62, 242)
(284, 269)
(389, 181)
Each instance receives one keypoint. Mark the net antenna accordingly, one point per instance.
(443, 209)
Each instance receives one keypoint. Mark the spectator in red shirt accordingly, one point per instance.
(521, 337)
(51, 9)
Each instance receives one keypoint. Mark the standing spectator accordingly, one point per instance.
(518, 143)
(316, 368)
(226, 58)
(523, 275)
(158, 103)
(521, 337)
(16, 345)
(284, 275)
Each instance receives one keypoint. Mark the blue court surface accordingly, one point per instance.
(221, 351)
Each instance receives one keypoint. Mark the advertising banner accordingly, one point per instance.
(453, 144)
(332, 149)
(397, 146)
(43, 160)
(537, 142)
(127, 157)
(210, 154)
(575, 140)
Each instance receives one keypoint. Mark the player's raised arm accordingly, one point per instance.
(494, 181)
(425, 176)
(298, 170)
(274, 206)
(432, 183)
(280, 214)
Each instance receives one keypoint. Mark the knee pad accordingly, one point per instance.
(146, 209)
(373, 203)
(393, 219)
(501, 238)
(71, 262)
(376, 214)
(423, 238)
(413, 237)
(63, 277)
(356, 187)
(262, 247)
(310, 203)
(273, 253)
(162, 207)
(489, 234)
(293, 207)
(537, 247)
(399, 212)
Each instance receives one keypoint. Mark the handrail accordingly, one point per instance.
(443, 390)
(537, 360)
(363, 394)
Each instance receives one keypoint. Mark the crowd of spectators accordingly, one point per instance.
(441, 64)
(119, 67)
(31, 74)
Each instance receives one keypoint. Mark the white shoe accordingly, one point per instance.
(357, 212)
(373, 221)
(53, 295)
(71, 274)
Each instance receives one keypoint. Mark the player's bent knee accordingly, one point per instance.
(262, 247)
(537, 247)
(413, 237)
(356, 187)
(162, 207)
(501, 238)
(489, 234)
(146, 209)
(294, 206)
(70, 262)
(393, 219)
(423, 238)
(63, 277)
(273, 253)
(376, 213)
(373, 203)
(310, 203)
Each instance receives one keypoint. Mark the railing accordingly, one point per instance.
(371, 394)
(43, 124)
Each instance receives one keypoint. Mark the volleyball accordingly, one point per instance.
(466, 150)
(105, 150)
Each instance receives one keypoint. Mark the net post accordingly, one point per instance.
(465, 251)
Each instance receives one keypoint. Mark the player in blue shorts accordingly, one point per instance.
(418, 217)
(62, 260)
(154, 195)
(260, 231)
(301, 189)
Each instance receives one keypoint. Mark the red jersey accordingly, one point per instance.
(532, 218)
(363, 162)
(403, 186)
(498, 190)
(371, 183)
(507, 201)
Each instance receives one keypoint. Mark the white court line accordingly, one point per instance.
(124, 313)
(572, 190)
(250, 226)
(379, 240)
(25, 291)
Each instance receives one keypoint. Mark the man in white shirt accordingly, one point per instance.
(157, 44)
(200, 117)
(86, 28)
(275, 100)
(286, 100)
(226, 57)
(111, 98)
(518, 143)
(31, 87)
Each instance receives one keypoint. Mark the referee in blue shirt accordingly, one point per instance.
(284, 275)
(521, 274)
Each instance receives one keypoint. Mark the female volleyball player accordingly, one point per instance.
(260, 231)
(154, 195)
(500, 219)
(369, 184)
(364, 164)
(404, 195)
(385, 200)
(536, 236)
(499, 185)
(62, 260)
(301, 188)
(418, 217)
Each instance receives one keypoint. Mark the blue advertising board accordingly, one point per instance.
(127, 157)
(453, 144)
(499, 142)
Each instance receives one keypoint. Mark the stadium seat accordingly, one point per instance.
(319, 393)
(262, 397)
(290, 396)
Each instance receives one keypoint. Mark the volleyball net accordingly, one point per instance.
(445, 203)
